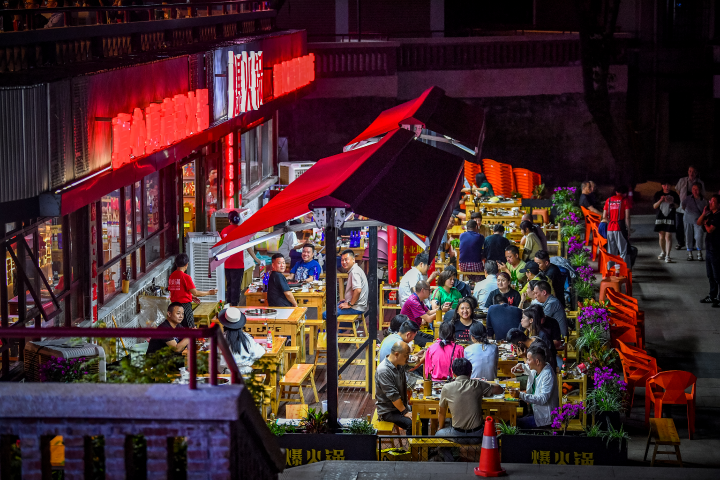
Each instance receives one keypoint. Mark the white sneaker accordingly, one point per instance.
(667, 259)
(700, 257)
(661, 256)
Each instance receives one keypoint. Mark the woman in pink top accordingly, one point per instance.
(439, 357)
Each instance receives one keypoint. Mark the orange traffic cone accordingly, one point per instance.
(489, 455)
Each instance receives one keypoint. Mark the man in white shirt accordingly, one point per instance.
(356, 290)
(541, 392)
(484, 287)
(414, 275)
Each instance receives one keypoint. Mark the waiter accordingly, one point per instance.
(239, 267)
(182, 289)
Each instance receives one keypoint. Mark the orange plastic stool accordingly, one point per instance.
(612, 282)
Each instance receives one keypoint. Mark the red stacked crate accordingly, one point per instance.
(500, 177)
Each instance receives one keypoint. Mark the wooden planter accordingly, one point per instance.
(561, 450)
(304, 448)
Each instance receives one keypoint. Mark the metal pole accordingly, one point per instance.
(359, 22)
(400, 254)
(192, 364)
(212, 361)
(373, 321)
(331, 318)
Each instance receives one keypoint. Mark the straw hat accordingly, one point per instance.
(232, 318)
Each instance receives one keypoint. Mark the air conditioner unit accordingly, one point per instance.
(197, 247)
(290, 171)
(219, 219)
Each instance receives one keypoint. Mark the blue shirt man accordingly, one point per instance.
(471, 244)
(309, 269)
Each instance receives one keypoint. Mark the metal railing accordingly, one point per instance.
(123, 14)
(213, 333)
(429, 448)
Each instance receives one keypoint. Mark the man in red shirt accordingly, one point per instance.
(617, 215)
(238, 271)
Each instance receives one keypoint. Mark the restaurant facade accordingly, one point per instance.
(105, 175)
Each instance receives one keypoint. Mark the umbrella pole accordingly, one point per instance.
(331, 318)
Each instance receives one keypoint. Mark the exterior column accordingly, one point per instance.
(342, 18)
(115, 457)
(31, 451)
(74, 457)
(437, 17)
(157, 457)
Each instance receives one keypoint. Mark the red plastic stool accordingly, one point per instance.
(612, 282)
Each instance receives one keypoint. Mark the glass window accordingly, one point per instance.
(152, 202)
(267, 158)
(250, 157)
(211, 188)
(152, 250)
(110, 224)
(129, 216)
(76, 243)
(188, 193)
(138, 261)
(111, 280)
(138, 212)
(50, 256)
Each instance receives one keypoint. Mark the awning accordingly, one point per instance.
(437, 112)
(398, 181)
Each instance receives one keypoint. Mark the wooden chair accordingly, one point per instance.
(668, 388)
(296, 412)
(350, 331)
(321, 350)
(384, 428)
(663, 432)
(312, 328)
(297, 376)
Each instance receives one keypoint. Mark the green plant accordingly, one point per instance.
(360, 427)
(594, 431)
(538, 191)
(455, 243)
(279, 430)
(572, 230)
(506, 429)
(579, 259)
(609, 392)
(584, 289)
(618, 435)
(315, 421)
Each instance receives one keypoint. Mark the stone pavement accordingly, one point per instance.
(682, 334)
(459, 471)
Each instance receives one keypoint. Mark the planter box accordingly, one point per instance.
(561, 450)
(303, 448)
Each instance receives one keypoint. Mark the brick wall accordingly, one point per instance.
(226, 438)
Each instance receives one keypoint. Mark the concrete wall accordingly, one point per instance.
(536, 117)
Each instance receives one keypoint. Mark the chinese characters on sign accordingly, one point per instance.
(230, 169)
(293, 74)
(162, 124)
(298, 456)
(245, 82)
(542, 457)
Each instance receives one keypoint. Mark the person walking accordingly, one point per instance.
(694, 205)
(665, 202)
(710, 221)
(617, 215)
(683, 189)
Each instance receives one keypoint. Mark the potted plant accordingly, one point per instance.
(564, 413)
(64, 370)
(578, 255)
(584, 285)
(312, 441)
(593, 341)
(607, 399)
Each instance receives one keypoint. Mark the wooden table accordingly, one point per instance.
(293, 326)
(517, 203)
(314, 301)
(205, 312)
(505, 409)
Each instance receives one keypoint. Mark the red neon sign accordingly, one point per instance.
(245, 82)
(230, 169)
(163, 124)
(293, 74)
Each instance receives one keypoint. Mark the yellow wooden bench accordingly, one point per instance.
(663, 432)
(420, 447)
(350, 331)
(312, 327)
(296, 376)
(384, 428)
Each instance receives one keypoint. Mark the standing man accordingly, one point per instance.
(414, 275)
(239, 267)
(309, 269)
(356, 290)
(279, 293)
(710, 220)
(496, 244)
(617, 214)
(684, 189)
(471, 250)
(391, 397)
(464, 398)
(541, 392)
